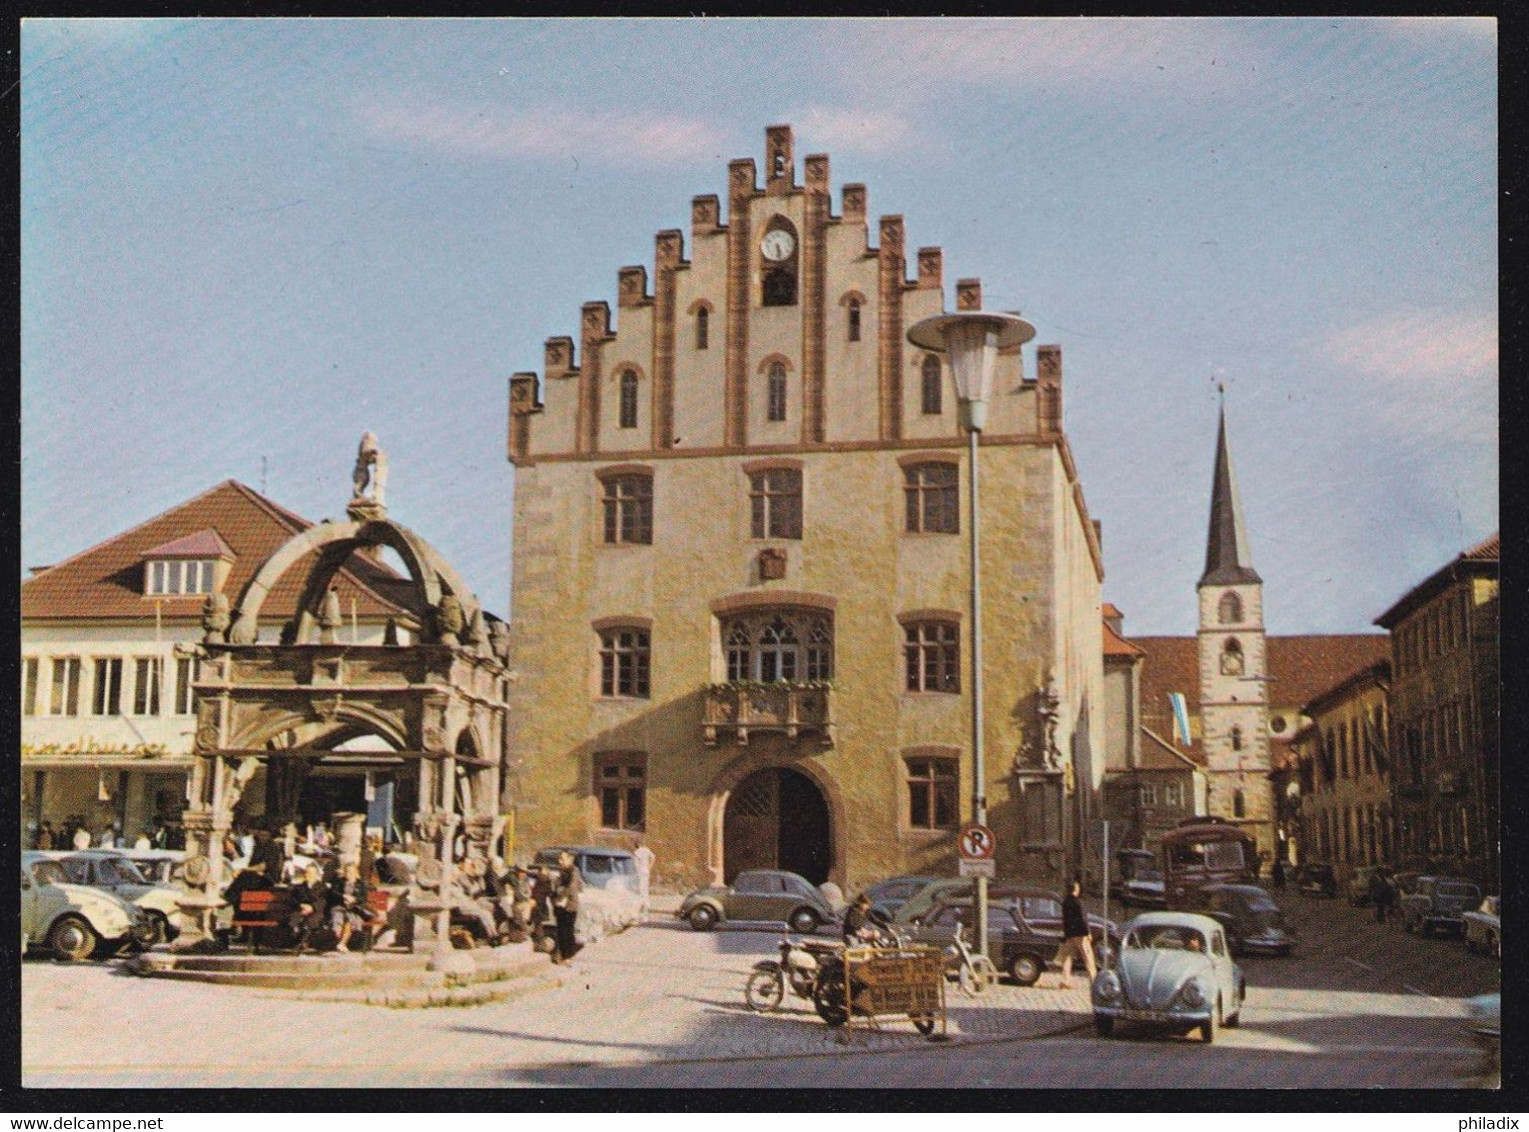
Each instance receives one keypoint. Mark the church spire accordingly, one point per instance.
(1226, 552)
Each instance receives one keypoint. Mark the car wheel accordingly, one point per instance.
(1235, 1020)
(1104, 1026)
(1212, 1025)
(804, 921)
(924, 1023)
(828, 997)
(73, 939)
(703, 917)
(764, 989)
(1026, 969)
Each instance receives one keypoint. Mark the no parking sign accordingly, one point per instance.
(976, 845)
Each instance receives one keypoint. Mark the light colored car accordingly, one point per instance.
(71, 920)
(1438, 904)
(1483, 927)
(112, 871)
(1174, 972)
(160, 866)
(760, 896)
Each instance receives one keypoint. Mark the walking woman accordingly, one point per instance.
(566, 887)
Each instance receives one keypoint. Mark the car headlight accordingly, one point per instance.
(1191, 995)
(1107, 986)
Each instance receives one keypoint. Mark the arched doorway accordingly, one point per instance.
(777, 818)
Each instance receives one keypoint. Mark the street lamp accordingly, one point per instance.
(972, 340)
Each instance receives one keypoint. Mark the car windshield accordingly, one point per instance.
(1170, 937)
(118, 870)
(1040, 908)
(799, 886)
(49, 872)
(1459, 890)
(594, 864)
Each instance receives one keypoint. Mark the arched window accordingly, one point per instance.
(853, 315)
(933, 386)
(628, 398)
(1230, 610)
(702, 327)
(775, 409)
(766, 645)
(1231, 659)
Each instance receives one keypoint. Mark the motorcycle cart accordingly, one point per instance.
(881, 983)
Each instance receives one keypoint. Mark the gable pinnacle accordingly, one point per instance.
(1227, 559)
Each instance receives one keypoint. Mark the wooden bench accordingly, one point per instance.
(262, 909)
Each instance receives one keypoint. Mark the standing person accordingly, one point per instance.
(82, 838)
(566, 887)
(644, 857)
(1279, 873)
(45, 836)
(1076, 943)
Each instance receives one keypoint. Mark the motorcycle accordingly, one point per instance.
(798, 968)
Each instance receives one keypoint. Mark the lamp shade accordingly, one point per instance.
(972, 339)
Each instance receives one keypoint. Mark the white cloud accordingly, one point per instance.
(610, 138)
(925, 56)
(1435, 371)
(838, 130)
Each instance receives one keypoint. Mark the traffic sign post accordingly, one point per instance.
(976, 844)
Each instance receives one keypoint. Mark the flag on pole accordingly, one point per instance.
(1180, 719)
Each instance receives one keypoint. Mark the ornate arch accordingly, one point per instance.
(726, 780)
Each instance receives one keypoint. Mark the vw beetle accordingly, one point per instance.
(1174, 972)
(72, 920)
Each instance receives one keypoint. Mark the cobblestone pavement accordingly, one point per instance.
(1362, 1004)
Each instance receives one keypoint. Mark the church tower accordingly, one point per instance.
(1234, 692)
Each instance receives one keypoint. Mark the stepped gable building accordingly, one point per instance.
(107, 664)
(740, 577)
(1445, 706)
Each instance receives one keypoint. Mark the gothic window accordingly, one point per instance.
(628, 398)
(853, 314)
(620, 785)
(1230, 610)
(775, 503)
(628, 501)
(625, 660)
(775, 406)
(932, 499)
(779, 646)
(702, 328)
(932, 653)
(1231, 659)
(932, 793)
(933, 386)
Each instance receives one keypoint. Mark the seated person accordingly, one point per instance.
(1195, 944)
(311, 905)
(349, 910)
(467, 899)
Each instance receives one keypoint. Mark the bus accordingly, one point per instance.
(1203, 851)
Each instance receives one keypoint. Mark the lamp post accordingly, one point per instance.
(972, 340)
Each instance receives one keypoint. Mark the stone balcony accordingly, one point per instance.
(789, 709)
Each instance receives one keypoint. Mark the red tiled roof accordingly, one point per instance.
(1109, 609)
(1299, 669)
(106, 581)
(203, 544)
(1115, 644)
(1157, 753)
(1488, 551)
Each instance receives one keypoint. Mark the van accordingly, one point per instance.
(598, 866)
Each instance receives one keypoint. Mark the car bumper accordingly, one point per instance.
(1453, 923)
(1123, 1013)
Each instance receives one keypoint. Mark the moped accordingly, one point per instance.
(798, 968)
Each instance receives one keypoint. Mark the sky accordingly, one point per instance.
(245, 242)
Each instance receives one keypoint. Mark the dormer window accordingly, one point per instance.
(178, 577)
(186, 567)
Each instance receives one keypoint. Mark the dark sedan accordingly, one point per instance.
(1023, 936)
(1252, 920)
(1316, 880)
(759, 896)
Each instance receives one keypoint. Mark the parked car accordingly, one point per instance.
(759, 896)
(1358, 887)
(1438, 903)
(160, 866)
(1022, 938)
(1138, 879)
(1485, 1026)
(110, 869)
(71, 920)
(598, 866)
(1174, 972)
(1041, 907)
(887, 896)
(1252, 919)
(1483, 928)
(1316, 879)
